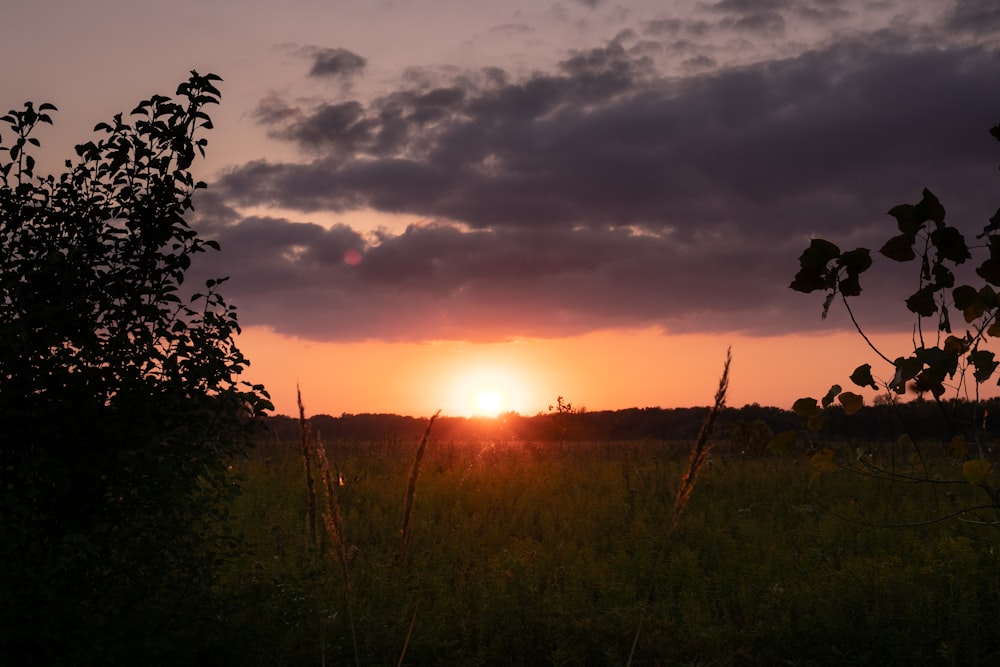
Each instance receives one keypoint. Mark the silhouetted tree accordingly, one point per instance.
(119, 397)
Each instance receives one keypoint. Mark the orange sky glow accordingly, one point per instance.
(620, 190)
(600, 371)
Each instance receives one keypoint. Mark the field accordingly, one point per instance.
(546, 553)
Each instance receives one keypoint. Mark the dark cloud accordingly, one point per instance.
(699, 62)
(749, 6)
(437, 281)
(674, 27)
(336, 63)
(764, 23)
(975, 16)
(600, 195)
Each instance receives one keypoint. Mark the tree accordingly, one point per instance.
(120, 398)
(942, 359)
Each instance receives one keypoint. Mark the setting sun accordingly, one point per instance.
(489, 403)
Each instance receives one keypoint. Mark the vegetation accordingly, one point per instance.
(119, 399)
(573, 538)
(942, 360)
(543, 553)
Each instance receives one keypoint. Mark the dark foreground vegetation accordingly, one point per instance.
(541, 553)
(138, 526)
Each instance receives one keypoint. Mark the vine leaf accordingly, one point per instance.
(862, 376)
(976, 471)
(851, 402)
(783, 443)
(900, 248)
(957, 447)
(806, 407)
(824, 460)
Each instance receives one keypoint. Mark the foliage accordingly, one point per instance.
(942, 359)
(542, 554)
(120, 401)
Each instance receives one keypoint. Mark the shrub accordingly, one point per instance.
(120, 401)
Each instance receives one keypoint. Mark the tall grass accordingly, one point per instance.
(411, 492)
(333, 520)
(696, 460)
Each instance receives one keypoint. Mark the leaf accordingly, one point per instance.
(783, 443)
(921, 302)
(826, 304)
(957, 447)
(824, 460)
(851, 402)
(985, 364)
(856, 261)
(850, 285)
(976, 471)
(906, 369)
(817, 422)
(813, 272)
(818, 254)
(929, 208)
(950, 244)
(955, 346)
(904, 218)
(899, 248)
(967, 299)
(805, 407)
(830, 395)
(862, 376)
(989, 271)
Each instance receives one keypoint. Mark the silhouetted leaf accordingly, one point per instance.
(906, 369)
(905, 218)
(993, 226)
(954, 346)
(851, 402)
(813, 272)
(929, 208)
(858, 260)
(818, 254)
(850, 285)
(830, 395)
(922, 303)
(985, 364)
(950, 244)
(989, 271)
(966, 299)
(899, 248)
(805, 407)
(943, 277)
(826, 304)
(862, 376)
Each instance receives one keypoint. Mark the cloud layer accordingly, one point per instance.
(607, 190)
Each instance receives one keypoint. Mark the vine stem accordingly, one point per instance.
(861, 331)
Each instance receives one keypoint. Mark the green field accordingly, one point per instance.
(543, 553)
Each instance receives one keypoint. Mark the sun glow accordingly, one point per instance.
(489, 403)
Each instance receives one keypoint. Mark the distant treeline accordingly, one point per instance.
(748, 425)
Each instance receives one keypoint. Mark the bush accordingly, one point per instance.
(119, 395)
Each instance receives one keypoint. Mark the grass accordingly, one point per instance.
(541, 553)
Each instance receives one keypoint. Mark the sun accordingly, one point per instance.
(489, 403)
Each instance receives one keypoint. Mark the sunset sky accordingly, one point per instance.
(422, 200)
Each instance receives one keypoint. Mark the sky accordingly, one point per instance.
(420, 201)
